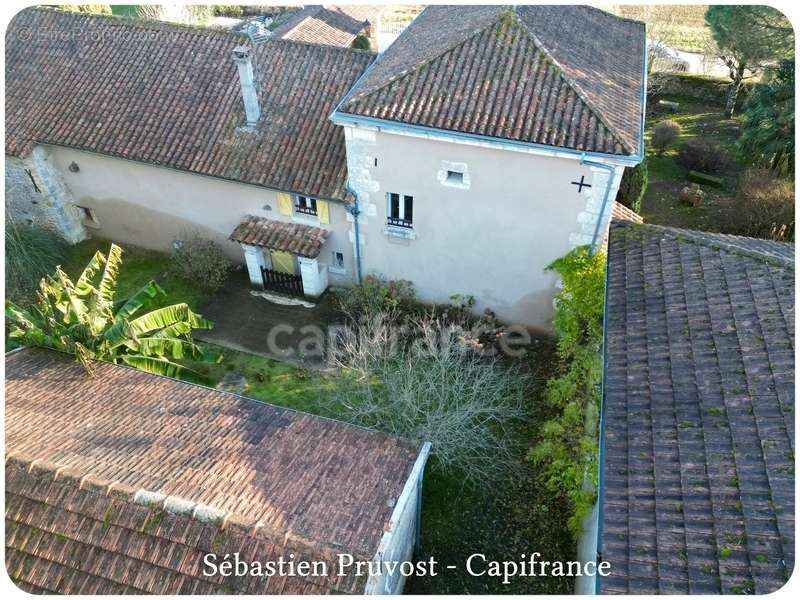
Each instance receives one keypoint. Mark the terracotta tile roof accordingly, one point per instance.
(172, 98)
(621, 212)
(296, 238)
(567, 76)
(122, 481)
(330, 25)
(698, 469)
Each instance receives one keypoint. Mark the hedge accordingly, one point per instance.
(712, 90)
(633, 186)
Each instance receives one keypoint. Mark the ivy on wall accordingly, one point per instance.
(566, 452)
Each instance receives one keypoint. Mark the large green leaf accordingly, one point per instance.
(163, 366)
(168, 316)
(109, 279)
(176, 347)
(84, 283)
(140, 299)
(119, 333)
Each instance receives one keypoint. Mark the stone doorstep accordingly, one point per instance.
(283, 299)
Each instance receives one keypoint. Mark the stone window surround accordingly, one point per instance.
(455, 167)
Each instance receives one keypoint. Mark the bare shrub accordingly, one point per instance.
(704, 156)
(664, 133)
(765, 209)
(434, 388)
(200, 261)
(376, 296)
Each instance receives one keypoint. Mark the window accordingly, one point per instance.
(337, 263)
(306, 205)
(455, 177)
(401, 210)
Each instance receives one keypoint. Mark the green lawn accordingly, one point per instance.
(138, 267)
(660, 204)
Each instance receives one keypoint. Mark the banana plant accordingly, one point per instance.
(82, 318)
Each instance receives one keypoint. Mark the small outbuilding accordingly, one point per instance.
(128, 482)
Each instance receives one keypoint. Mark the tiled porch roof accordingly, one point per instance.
(296, 238)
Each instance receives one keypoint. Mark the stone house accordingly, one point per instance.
(483, 144)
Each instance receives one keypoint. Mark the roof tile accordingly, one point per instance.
(260, 464)
(698, 442)
(565, 76)
(172, 98)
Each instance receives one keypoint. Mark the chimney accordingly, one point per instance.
(243, 60)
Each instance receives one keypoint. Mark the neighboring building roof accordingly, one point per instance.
(330, 25)
(567, 76)
(296, 238)
(620, 212)
(697, 490)
(121, 482)
(170, 95)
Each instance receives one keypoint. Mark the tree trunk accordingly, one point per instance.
(733, 91)
(733, 94)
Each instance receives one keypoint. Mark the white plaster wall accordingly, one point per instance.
(492, 239)
(150, 206)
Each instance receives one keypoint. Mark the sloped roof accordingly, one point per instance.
(169, 95)
(697, 493)
(622, 213)
(331, 25)
(121, 482)
(567, 76)
(296, 238)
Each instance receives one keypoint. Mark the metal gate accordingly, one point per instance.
(286, 283)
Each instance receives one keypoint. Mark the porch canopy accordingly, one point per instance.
(299, 239)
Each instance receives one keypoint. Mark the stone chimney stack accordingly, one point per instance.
(242, 58)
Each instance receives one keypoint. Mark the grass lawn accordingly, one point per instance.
(660, 204)
(502, 521)
(138, 267)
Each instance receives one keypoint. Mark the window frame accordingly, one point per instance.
(402, 220)
(305, 205)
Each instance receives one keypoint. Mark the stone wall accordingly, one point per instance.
(37, 195)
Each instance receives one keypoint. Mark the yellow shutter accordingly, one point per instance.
(283, 262)
(322, 211)
(285, 204)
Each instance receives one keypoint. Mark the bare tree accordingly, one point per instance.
(429, 385)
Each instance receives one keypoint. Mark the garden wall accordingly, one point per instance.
(711, 90)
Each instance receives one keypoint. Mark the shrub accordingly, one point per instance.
(767, 138)
(199, 260)
(633, 186)
(361, 42)
(31, 253)
(566, 453)
(703, 155)
(375, 296)
(228, 10)
(765, 209)
(664, 133)
(431, 387)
